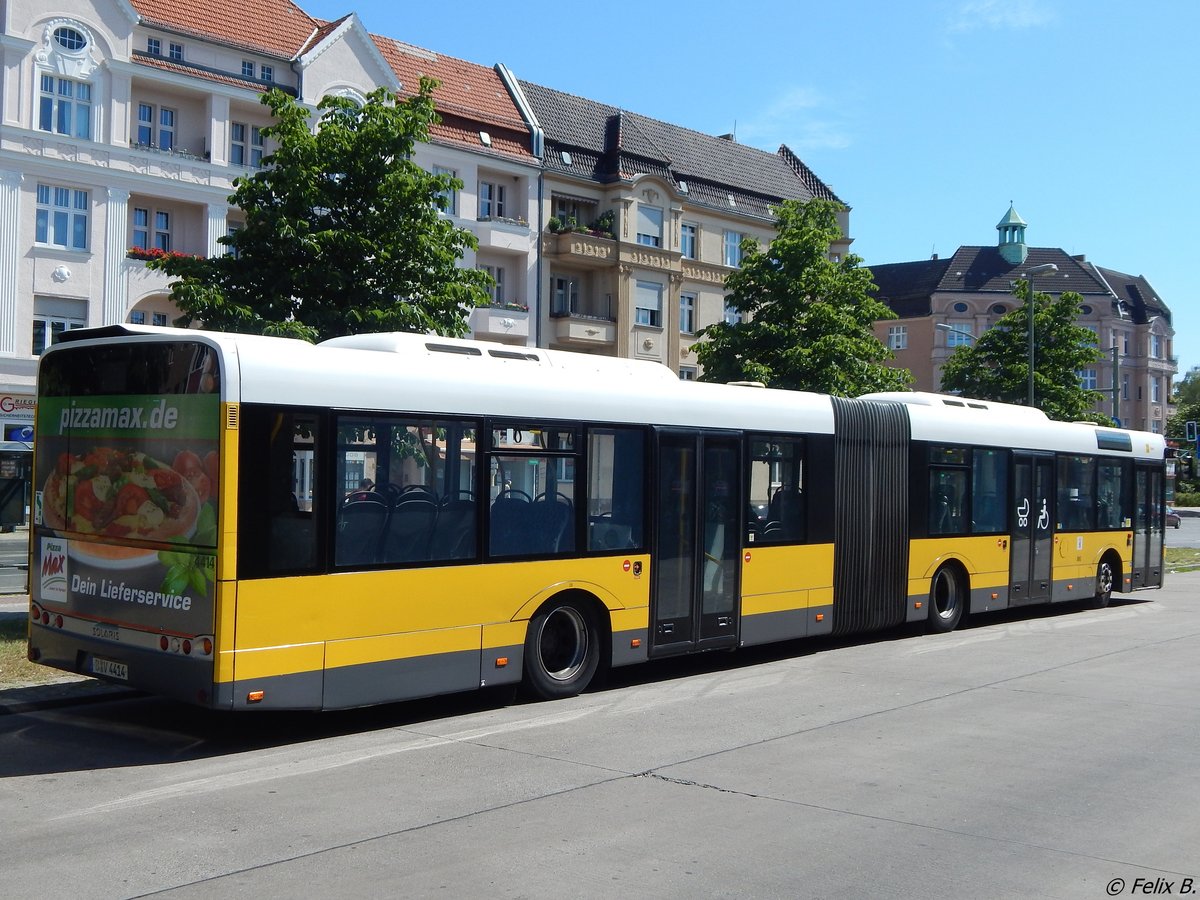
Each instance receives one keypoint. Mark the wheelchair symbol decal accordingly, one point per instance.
(1044, 516)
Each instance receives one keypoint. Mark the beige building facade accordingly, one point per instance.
(943, 303)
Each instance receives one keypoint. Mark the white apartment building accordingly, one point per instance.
(124, 124)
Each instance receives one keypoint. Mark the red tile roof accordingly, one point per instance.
(168, 65)
(466, 88)
(471, 97)
(274, 27)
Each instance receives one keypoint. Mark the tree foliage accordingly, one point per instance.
(1188, 388)
(807, 320)
(996, 365)
(342, 232)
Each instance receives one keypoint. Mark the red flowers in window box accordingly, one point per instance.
(155, 253)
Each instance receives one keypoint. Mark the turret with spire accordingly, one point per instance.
(1012, 237)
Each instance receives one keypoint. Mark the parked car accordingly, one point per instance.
(1172, 517)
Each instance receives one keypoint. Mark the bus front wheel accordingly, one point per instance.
(947, 600)
(562, 649)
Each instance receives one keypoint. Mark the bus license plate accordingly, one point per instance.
(109, 669)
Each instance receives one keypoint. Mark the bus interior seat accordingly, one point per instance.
(454, 530)
(509, 524)
(406, 537)
(360, 526)
(551, 519)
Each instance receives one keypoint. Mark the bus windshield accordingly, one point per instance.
(125, 492)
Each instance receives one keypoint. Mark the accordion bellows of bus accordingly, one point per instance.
(245, 522)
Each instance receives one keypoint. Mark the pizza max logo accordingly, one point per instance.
(54, 570)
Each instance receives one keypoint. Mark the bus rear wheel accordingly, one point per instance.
(1106, 577)
(562, 649)
(947, 600)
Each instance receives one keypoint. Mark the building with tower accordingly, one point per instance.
(942, 303)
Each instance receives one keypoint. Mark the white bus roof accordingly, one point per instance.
(448, 376)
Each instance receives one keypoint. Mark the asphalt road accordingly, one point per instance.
(1034, 755)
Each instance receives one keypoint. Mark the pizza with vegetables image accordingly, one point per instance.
(124, 494)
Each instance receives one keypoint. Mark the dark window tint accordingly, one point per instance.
(279, 499)
(616, 459)
(989, 491)
(776, 492)
(1076, 493)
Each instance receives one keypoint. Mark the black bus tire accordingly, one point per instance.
(562, 649)
(1105, 579)
(947, 599)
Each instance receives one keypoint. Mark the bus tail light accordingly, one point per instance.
(45, 617)
(164, 643)
(35, 612)
(58, 621)
(206, 646)
(187, 648)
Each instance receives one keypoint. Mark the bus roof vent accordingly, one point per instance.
(453, 348)
(754, 384)
(924, 398)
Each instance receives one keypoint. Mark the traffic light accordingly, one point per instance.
(1189, 430)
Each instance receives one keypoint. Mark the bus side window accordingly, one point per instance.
(277, 529)
(776, 491)
(616, 479)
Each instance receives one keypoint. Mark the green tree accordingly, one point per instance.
(996, 365)
(807, 320)
(1187, 390)
(342, 232)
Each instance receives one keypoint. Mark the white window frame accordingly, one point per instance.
(897, 337)
(62, 215)
(564, 294)
(959, 336)
(159, 319)
(159, 129)
(687, 373)
(1155, 390)
(175, 51)
(247, 68)
(51, 317)
(496, 292)
(649, 225)
(689, 239)
(1155, 346)
(733, 248)
(266, 73)
(1089, 379)
(65, 106)
(492, 196)
(448, 199)
(648, 297)
(153, 46)
(687, 312)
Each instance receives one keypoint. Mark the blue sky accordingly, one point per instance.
(927, 117)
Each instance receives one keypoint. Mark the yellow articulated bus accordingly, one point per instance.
(245, 522)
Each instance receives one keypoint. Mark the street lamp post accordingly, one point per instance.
(1045, 269)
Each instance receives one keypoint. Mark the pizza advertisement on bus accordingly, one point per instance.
(127, 501)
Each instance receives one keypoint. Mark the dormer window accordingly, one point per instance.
(154, 46)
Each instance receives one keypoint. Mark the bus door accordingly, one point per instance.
(1147, 527)
(697, 534)
(1032, 531)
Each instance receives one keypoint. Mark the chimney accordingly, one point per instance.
(725, 137)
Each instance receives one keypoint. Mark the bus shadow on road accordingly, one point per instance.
(128, 729)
